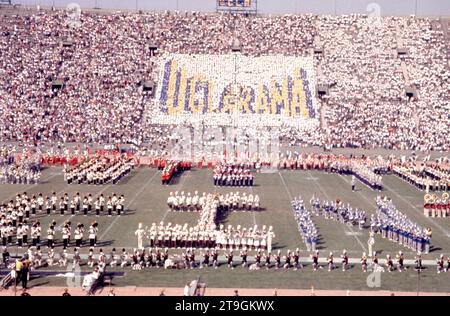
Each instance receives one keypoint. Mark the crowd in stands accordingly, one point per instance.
(102, 98)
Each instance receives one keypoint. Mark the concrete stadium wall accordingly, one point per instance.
(339, 7)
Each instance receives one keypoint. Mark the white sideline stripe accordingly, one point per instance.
(349, 228)
(128, 205)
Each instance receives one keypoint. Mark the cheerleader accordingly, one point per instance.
(330, 261)
(244, 258)
(229, 257)
(258, 259)
(315, 261)
(344, 260)
(287, 260)
(278, 260)
(205, 262)
(124, 258)
(267, 260)
(297, 264)
(114, 260)
(400, 265)
(215, 256)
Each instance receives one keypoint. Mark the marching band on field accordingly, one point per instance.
(424, 177)
(232, 201)
(306, 227)
(397, 227)
(25, 206)
(19, 175)
(22, 231)
(338, 211)
(435, 206)
(99, 170)
(232, 175)
(232, 238)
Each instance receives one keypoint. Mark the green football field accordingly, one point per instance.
(146, 203)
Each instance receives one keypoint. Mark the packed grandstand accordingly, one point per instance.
(272, 81)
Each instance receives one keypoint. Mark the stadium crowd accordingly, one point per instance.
(107, 58)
